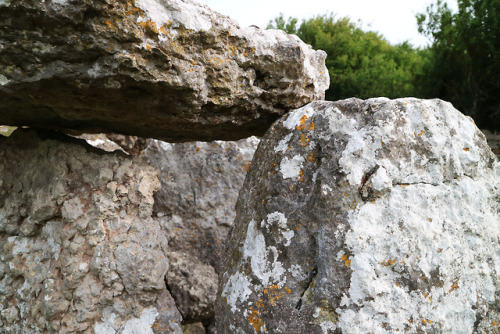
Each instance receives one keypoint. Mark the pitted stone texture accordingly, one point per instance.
(79, 249)
(169, 69)
(193, 285)
(199, 187)
(366, 216)
(195, 207)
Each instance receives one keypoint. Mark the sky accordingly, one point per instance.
(394, 19)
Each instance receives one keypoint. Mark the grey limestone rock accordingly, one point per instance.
(79, 250)
(86, 246)
(195, 207)
(378, 216)
(169, 69)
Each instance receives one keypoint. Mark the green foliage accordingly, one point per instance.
(465, 57)
(361, 64)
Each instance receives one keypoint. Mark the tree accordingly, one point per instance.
(361, 64)
(465, 57)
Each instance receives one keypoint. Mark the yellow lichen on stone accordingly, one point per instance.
(455, 285)
(274, 293)
(388, 263)
(304, 140)
(254, 319)
(346, 260)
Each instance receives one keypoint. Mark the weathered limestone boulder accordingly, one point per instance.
(169, 69)
(79, 250)
(85, 246)
(195, 207)
(373, 216)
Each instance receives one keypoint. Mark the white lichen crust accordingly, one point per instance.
(395, 211)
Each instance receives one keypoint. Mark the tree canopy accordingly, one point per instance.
(462, 65)
(361, 64)
(465, 57)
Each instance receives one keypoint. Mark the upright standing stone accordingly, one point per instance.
(195, 207)
(79, 250)
(366, 216)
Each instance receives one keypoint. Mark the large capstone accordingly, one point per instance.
(366, 216)
(169, 69)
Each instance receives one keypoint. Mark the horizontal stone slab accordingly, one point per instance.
(170, 69)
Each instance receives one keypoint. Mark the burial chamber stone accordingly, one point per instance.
(168, 69)
(79, 250)
(376, 216)
(98, 242)
(195, 207)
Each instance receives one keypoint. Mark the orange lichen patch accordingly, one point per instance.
(291, 187)
(301, 174)
(311, 157)
(259, 303)
(421, 133)
(439, 250)
(255, 320)
(148, 47)
(274, 293)
(455, 285)
(151, 25)
(494, 323)
(304, 126)
(426, 321)
(304, 140)
(197, 149)
(398, 285)
(346, 260)
(298, 226)
(388, 263)
(157, 326)
(346, 194)
(382, 141)
(109, 24)
(466, 149)
(247, 167)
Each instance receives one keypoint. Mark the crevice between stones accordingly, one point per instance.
(310, 279)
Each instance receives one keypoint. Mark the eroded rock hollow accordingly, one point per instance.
(366, 216)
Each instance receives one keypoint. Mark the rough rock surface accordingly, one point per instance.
(366, 216)
(83, 248)
(195, 207)
(79, 251)
(169, 69)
